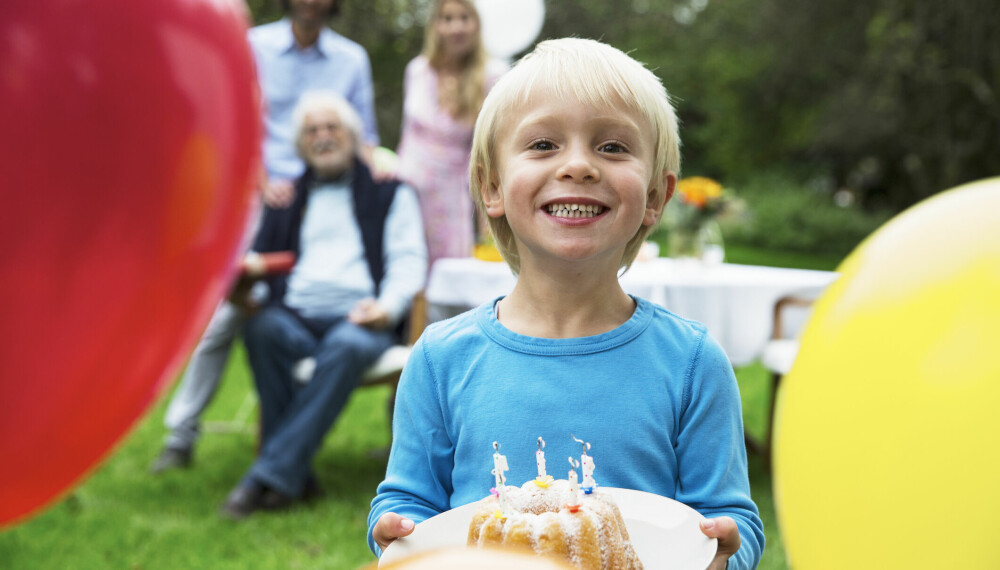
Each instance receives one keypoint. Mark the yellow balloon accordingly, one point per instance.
(887, 439)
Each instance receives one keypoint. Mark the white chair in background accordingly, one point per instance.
(790, 314)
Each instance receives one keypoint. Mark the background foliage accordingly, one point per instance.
(887, 101)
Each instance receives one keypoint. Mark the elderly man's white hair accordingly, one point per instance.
(314, 101)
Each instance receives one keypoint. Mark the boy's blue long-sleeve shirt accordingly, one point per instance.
(656, 398)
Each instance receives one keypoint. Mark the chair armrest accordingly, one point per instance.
(777, 331)
(418, 317)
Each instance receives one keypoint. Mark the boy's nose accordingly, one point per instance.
(578, 167)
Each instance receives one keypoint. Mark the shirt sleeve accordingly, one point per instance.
(712, 459)
(405, 254)
(417, 481)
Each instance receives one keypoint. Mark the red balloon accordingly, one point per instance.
(129, 146)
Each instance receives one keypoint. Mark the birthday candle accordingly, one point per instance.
(499, 466)
(588, 465)
(540, 458)
(574, 488)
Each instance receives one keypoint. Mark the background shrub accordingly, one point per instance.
(786, 215)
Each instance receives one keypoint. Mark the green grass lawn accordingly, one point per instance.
(123, 517)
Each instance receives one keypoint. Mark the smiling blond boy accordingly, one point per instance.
(575, 155)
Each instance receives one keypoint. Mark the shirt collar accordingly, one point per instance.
(324, 44)
(344, 180)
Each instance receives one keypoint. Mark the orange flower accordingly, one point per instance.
(699, 190)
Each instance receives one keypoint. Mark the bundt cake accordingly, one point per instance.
(552, 519)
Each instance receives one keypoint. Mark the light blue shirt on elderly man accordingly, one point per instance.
(333, 63)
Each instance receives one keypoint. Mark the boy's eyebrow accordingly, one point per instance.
(616, 120)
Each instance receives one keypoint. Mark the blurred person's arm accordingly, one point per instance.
(405, 253)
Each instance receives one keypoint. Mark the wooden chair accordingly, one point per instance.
(778, 357)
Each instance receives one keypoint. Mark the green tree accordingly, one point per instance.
(894, 99)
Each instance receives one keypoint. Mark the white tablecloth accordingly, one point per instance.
(735, 302)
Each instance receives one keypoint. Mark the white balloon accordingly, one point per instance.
(510, 26)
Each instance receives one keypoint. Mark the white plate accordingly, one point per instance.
(665, 533)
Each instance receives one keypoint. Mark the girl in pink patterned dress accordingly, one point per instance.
(444, 88)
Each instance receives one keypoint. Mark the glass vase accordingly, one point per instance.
(684, 242)
(713, 249)
(702, 242)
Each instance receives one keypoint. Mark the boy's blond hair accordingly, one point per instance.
(593, 73)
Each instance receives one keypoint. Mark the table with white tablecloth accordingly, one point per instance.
(735, 302)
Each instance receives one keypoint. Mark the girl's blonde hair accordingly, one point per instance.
(588, 71)
(472, 76)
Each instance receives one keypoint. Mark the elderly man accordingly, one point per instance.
(361, 258)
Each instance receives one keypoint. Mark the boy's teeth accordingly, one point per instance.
(575, 210)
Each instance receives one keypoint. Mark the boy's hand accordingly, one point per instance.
(389, 527)
(724, 529)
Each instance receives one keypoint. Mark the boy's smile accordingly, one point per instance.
(573, 179)
(570, 210)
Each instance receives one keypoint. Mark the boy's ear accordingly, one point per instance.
(489, 187)
(657, 201)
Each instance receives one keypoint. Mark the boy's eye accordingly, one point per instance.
(612, 147)
(542, 145)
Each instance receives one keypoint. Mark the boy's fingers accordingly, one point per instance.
(724, 529)
(390, 527)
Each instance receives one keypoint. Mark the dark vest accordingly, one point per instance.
(281, 229)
